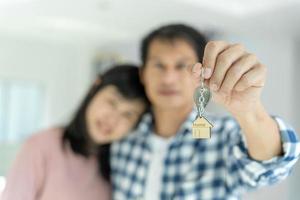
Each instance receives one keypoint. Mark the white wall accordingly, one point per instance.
(296, 84)
(294, 191)
(62, 69)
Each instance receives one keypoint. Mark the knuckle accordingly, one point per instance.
(264, 68)
(246, 81)
(223, 59)
(225, 90)
(212, 45)
(251, 57)
(239, 46)
(235, 72)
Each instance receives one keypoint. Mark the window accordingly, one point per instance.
(21, 112)
(21, 109)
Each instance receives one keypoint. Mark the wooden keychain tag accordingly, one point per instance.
(201, 128)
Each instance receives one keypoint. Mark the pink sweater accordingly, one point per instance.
(44, 170)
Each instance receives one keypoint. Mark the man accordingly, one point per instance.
(247, 150)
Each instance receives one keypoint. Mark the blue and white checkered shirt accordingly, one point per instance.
(211, 169)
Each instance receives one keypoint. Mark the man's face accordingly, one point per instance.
(166, 76)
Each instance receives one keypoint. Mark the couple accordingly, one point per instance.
(153, 155)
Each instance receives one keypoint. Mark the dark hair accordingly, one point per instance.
(173, 32)
(126, 79)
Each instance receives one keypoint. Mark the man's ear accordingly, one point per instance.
(141, 74)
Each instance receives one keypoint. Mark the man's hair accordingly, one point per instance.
(173, 32)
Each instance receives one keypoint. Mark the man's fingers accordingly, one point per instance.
(212, 50)
(197, 70)
(253, 78)
(236, 71)
(224, 62)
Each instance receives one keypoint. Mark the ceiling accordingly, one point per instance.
(118, 20)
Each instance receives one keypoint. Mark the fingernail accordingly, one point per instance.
(207, 73)
(214, 87)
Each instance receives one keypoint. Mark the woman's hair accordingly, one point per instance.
(126, 79)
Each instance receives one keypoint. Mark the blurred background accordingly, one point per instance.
(50, 51)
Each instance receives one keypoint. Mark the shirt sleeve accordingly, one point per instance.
(249, 173)
(25, 178)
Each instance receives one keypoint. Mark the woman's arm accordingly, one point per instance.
(25, 179)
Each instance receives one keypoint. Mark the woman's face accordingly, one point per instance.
(110, 116)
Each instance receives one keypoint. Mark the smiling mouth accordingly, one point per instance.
(102, 129)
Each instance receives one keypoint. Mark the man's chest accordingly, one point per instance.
(185, 167)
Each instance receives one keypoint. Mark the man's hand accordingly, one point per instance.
(236, 79)
(235, 76)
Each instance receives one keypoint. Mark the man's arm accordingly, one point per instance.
(244, 172)
(261, 133)
(236, 78)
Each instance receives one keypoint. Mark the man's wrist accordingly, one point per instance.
(256, 114)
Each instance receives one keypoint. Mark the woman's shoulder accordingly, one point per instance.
(45, 139)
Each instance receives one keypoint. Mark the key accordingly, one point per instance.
(201, 128)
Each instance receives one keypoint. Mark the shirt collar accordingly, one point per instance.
(146, 124)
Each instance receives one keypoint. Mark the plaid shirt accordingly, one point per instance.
(216, 168)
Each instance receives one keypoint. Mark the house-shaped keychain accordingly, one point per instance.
(201, 128)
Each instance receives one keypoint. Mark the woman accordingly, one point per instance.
(73, 162)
